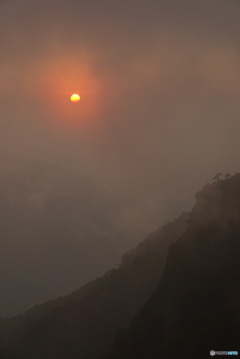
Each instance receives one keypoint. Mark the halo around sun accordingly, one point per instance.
(75, 97)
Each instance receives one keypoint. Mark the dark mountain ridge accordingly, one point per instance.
(57, 232)
(175, 295)
(195, 308)
(60, 230)
(83, 323)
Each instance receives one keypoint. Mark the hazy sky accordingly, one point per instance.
(159, 82)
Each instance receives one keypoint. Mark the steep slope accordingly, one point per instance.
(83, 324)
(195, 308)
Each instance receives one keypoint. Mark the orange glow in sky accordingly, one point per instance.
(59, 79)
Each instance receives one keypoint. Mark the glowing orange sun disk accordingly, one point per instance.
(75, 98)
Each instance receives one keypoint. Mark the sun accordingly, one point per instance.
(75, 97)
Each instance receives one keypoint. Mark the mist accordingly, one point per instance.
(161, 87)
(159, 84)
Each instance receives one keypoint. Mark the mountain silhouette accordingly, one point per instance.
(59, 230)
(83, 323)
(176, 295)
(195, 308)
